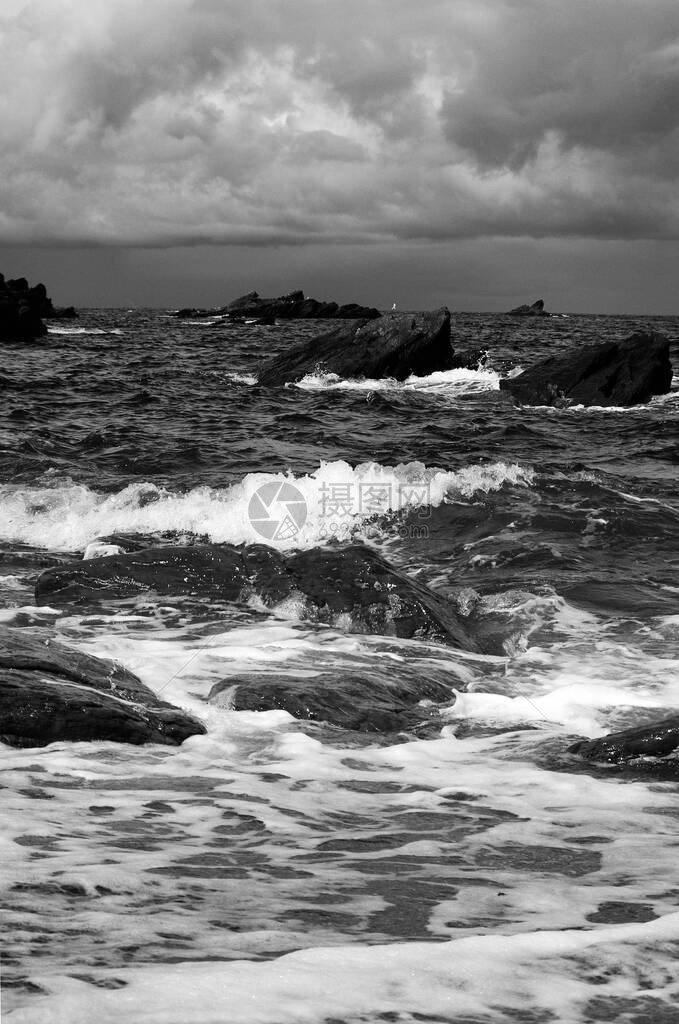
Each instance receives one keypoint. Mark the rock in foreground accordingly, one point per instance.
(359, 702)
(614, 373)
(351, 587)
(655, 740)
(50, 692)
(537, 309)
(393, 346)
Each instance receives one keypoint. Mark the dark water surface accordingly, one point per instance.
(448, 874)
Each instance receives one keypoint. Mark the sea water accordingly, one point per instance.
(277, 870)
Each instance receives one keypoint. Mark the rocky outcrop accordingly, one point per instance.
(21, 310)
(537, 309)
(293, 306)
(351, 587)
(393, 346)
(657, 740)
(50, 692)
(360, 702)
(614, 373)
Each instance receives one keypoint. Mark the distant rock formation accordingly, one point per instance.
(537, 309)
(293, 306)
(655, 740)
(50, 692)
(396, 345)
(353, 582)
(613, 373)
(23, 309)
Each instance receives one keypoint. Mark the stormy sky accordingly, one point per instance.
(475, 152)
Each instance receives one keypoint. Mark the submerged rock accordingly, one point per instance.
(655, 740)
(537, 309)
(51, 692)
(360, 702)
(393, 346)
(613, 373)
(348, 586)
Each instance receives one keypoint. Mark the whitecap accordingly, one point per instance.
(280, 509)
(451, 383)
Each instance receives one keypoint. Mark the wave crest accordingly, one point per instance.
(280, 509)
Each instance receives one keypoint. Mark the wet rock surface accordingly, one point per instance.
(656, 740)
(617, 373)
(351, 586)
(358, 702)
(50, 692)
(394, 346)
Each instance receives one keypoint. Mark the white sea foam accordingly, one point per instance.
(299, 511)
(242, 378)
(578, 706)
(446, 382)
(550, 974)
(83, 330)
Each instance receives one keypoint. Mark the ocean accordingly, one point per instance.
(282, 871)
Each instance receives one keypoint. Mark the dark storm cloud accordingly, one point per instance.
(603, 76)
(293, 120)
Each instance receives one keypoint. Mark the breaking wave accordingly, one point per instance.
(461, 381)
(277, 508)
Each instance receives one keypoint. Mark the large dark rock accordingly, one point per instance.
(393, 346)
(348, 586)
(655, 740)
(537, 309)
(21, 309)
(613, 373)
(50, 692)
(361, 702)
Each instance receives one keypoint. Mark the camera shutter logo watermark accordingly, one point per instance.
(277, 510)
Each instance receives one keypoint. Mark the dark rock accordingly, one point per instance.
(22, 310)
(188, 312)
(471, 359)
(294, 306)
(393, 346)
(93, 441)
(62, 313)
(361, 702)
(335, 585)
(50, 692)
(352, 311)
(537, 309)
(246, 301)
(613, 373)
(655, 740)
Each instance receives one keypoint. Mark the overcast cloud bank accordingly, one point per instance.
(293, 121)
